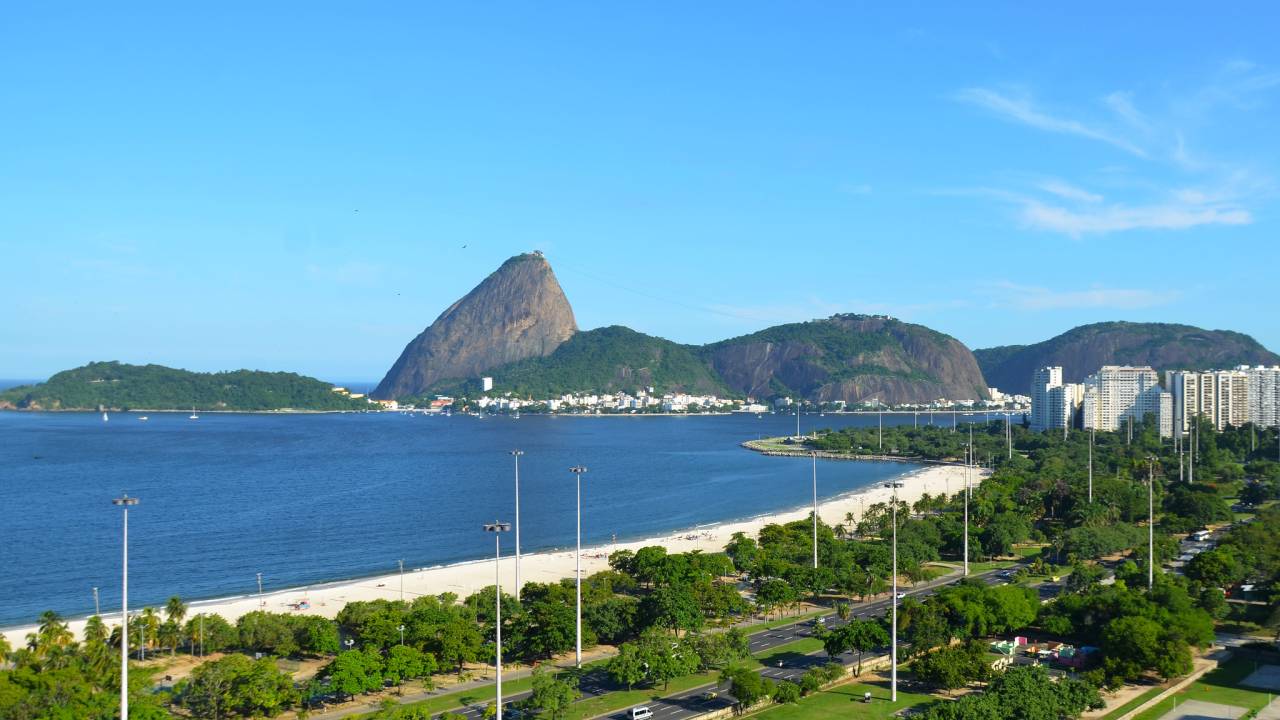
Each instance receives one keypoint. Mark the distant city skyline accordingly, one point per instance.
(305, 188)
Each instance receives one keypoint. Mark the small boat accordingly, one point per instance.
(193, 416)
(144, 418)
(104, 417)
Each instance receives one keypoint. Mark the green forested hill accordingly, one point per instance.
(115, 385)
(608, 359)
(1082, 350)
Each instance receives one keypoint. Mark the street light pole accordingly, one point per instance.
(497, 528)
(893, 645)
(881, 417)
(124, 502)
(401, 561)
(96, 611)
(967, 451)
(577, 471)
(261, 602)
(516, 454)
(815, 510)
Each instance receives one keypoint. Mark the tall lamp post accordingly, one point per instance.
(516, 454)
(815, 510)
(124, 502)
(497, 528)
(893, 644)
(577, 471)
(967, 452)
(401, 561)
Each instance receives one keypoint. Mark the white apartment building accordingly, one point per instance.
(1220, 396)
(1053, 402)
(1117, 393)
(1264, 394)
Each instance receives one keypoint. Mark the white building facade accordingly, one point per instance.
(1117, 393)
(1054, 404)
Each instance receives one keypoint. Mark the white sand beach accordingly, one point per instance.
(465, 578)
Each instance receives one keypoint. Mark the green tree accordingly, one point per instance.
(354, 672)
(404, 662)
(553, 694)
(175, 611)
(786, 692)
(672, 607)
(628, 666)
(746, 685)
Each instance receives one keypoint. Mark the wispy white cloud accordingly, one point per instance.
(1029, 297)
(1069, 191)
(1115, 218)
(1024, 111)
(1121, 103)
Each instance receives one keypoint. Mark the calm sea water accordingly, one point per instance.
(308, 498)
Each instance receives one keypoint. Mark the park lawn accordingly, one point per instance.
(844, 702)
(981, 567)
(610, 702)
(1134, 703)
(484, 694)
(1217, 686)
(781, 622)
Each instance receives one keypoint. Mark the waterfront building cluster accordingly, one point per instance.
(1119, 394)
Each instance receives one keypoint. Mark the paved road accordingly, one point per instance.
(691, 703)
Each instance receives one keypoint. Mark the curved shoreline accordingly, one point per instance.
(463, 578)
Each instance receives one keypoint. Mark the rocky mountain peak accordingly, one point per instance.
(517, 312)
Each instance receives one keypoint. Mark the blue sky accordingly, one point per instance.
(306, 186)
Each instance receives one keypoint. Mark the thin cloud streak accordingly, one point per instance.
(1115, 218)
(1023, 111)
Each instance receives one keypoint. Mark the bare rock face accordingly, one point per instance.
(853, 358)
(518, 312)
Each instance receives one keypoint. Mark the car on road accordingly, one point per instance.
(641, 712)
(710, 695)
(902, 595)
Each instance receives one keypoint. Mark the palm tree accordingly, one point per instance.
(843, 610)
(50, 635)
(150, 622)
(175, 610)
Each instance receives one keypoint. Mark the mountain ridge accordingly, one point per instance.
(1085, 348)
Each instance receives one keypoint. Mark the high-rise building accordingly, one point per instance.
(1117, 393)
(1223, 397)
(1053, 403)
(1264, 394)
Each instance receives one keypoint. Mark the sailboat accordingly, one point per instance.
(104, 417)
(194, 416)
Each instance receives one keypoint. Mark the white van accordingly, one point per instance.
(641, 713)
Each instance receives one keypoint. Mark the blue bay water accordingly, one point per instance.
(310, 498)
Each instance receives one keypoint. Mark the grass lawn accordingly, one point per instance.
(1143, 697)
(1218, 686)
(610, 702)
(769, 625)
(844, 702)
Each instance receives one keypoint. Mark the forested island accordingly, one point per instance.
(119, 386)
